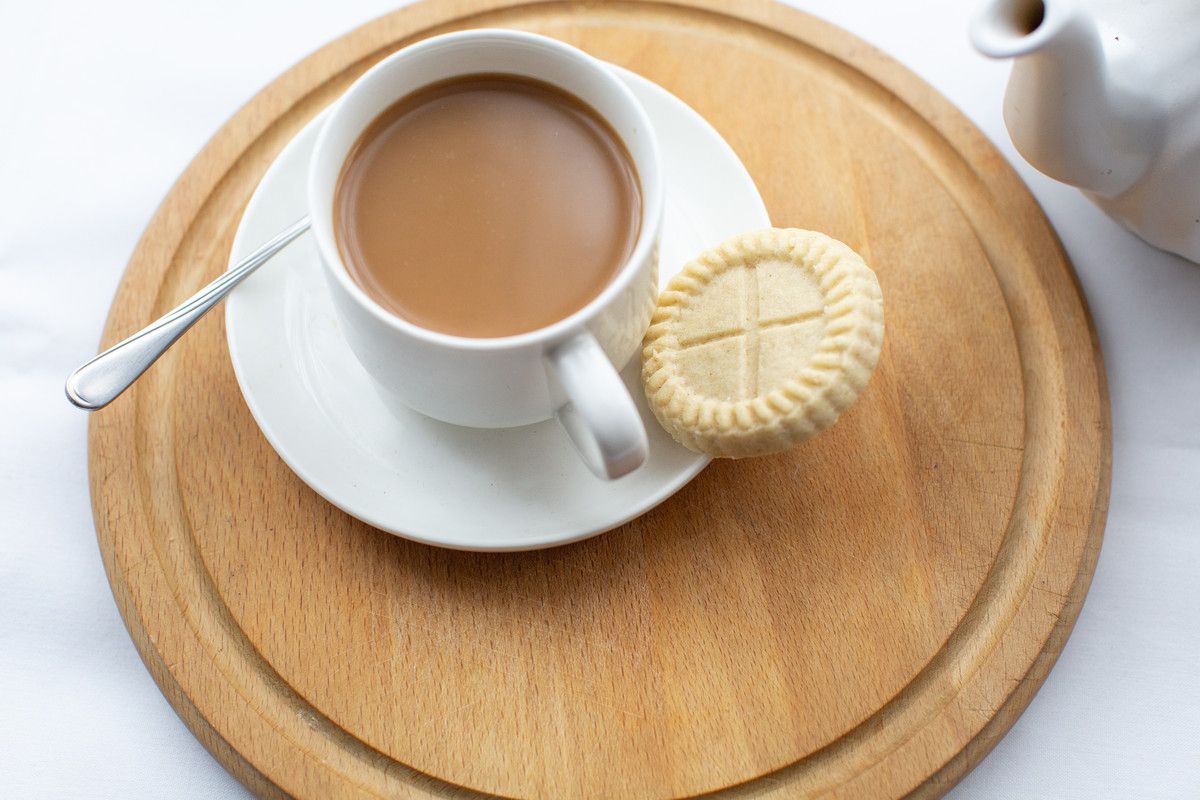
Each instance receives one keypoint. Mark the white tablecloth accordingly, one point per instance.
(102, 105)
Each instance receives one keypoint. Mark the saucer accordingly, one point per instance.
(464, 488)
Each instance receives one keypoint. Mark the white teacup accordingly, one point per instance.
(566, 370)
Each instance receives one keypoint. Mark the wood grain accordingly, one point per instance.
(860, 618)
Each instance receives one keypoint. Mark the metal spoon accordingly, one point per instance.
(98, 382)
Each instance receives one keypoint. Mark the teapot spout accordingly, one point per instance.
(1063, 113)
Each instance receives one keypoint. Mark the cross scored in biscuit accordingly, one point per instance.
(740, 346)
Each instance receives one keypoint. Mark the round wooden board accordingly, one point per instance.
(863, 617)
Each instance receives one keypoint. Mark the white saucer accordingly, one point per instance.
(466, 488)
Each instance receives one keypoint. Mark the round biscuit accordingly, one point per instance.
(762, 342)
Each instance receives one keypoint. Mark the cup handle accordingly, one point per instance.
(597, 411)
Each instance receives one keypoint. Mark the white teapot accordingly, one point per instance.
(1105, 95)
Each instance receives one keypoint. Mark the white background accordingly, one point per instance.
(102, 104)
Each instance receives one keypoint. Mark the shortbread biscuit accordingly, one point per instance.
(761, 342)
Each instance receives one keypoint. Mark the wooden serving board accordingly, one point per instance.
(860, 618)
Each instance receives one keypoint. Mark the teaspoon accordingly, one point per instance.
(98, 382)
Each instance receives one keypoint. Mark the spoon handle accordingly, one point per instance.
(98, 382)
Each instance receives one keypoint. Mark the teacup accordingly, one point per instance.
(567, 369)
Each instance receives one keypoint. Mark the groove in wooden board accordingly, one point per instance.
(861, 616)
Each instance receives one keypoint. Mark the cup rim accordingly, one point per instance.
(653, 199)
